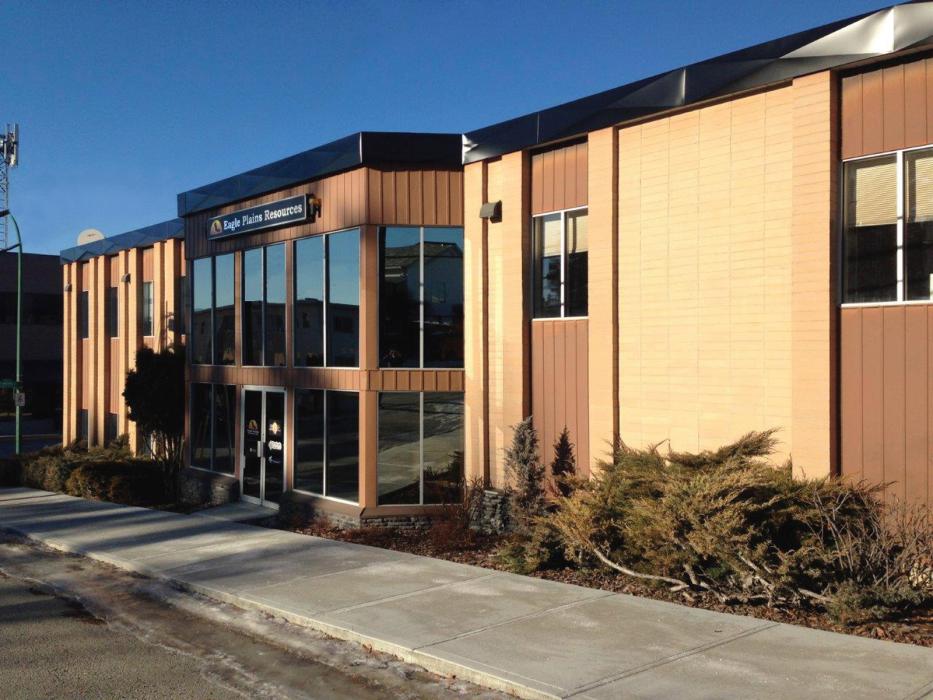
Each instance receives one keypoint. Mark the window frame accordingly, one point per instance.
(421, 290)
(292, 299)
(901, 194)
(532, 278)
(294, 444)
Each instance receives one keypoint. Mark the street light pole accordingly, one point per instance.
(19, 328)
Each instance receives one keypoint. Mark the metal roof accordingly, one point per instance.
(362, 148)
(141, 237)
(832, 45)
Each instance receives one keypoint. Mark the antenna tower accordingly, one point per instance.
(9, 157)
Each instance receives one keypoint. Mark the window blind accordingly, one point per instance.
(871, 188)
(920, 186)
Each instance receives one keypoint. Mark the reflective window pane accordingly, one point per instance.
(252, 307)
(83, 312)
(870, 235)
(918, 230)
(199, 344)
(443, 297)
(224, 326)
(343, 446)
(443, 447)
(146, 309)
(275, 306)
(399, 460)
(112, 311)
(343, 298)
(399, 297)
(547, 261)
(309, 302)
(576, 273)
(224, 428)
(309, 440)
(274, 476)
(200, 436)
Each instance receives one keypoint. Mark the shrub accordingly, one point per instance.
(564, 465)
(457, 527)
(10, 472)
(131, 482)
(729, 523)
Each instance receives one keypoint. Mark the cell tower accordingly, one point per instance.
(9, 157)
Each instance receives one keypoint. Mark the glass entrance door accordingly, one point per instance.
(263, 472)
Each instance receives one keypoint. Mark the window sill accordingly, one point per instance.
(869, 304)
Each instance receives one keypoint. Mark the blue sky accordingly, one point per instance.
(123, 105)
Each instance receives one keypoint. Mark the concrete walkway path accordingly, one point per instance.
(537, 639)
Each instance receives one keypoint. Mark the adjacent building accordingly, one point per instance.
(121, 293)
(739, 244)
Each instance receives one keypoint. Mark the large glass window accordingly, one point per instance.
(420, 297)
(327, 444)
(224, 313)
(112, 312)
(309, 302)
(213, 427)
(420, 457)
(343, 299)
(888, 228)
(202, 299)
(560, 274)
(264, 306)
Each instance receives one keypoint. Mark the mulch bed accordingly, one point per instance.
(479, 550)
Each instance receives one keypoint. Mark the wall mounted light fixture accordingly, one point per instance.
(491, 211)
(125, 277)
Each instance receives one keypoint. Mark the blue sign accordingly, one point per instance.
(285, 211)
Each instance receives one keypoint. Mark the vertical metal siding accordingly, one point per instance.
(559, 178)
(886, 390)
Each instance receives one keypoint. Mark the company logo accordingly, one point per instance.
(216, 227)
(275, 428)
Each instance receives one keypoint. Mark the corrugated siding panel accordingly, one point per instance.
(887, 109)
(886, 391)
(558, 178)
(560, 386)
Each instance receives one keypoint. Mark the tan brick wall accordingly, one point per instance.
(814, 317)
(474, 281)
(705, 253)
(603, 337)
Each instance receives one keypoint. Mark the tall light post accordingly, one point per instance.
(18, 386)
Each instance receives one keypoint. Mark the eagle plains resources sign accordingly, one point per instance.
(284, 211)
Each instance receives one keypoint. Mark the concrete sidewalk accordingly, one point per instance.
(537, 639)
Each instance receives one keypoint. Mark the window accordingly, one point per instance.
(83, 313)
(343, 299)
(224, 329)
(213, 416)
(309, 302)
(200, 344)
(327, 443)
(83, 423)
(420, 457)
(887, 238)
(560, 274)
(264, 306)
(110, 428)
(113, 314)
(147, 310)
(181, 304)
(420, 297)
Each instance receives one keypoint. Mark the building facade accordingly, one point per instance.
(121, 294)
(735, 245)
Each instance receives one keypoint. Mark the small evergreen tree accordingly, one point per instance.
(525, 473)
(564, 466)
(155, 400)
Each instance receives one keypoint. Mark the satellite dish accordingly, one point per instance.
(89, 235)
